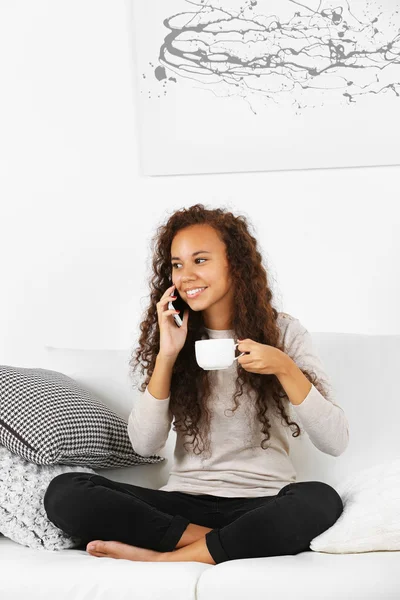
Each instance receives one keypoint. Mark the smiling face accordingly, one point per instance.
(208, 268)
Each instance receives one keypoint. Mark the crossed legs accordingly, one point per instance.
(191, 547)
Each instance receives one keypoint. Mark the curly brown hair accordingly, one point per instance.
(190, 384)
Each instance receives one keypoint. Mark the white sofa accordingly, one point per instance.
(364, 371)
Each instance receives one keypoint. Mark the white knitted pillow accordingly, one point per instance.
(22, 514)
(370, 520)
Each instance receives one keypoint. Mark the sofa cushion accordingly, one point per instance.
(48, 418)
(304, 576)
(23, 518)
(370, 520)
(73, 573)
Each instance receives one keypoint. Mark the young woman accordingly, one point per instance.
(232, 490)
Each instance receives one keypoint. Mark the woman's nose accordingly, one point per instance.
(185, 276)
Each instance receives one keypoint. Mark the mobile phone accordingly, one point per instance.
(177, 318)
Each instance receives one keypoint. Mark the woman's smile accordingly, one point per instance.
(191, 296)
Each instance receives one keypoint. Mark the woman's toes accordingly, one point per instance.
(97, 546)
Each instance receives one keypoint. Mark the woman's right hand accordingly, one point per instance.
(172, 337)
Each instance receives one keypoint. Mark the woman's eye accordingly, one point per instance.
(174, 264)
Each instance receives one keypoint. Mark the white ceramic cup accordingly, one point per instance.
(214, 354)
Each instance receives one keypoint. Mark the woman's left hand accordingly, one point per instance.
(261, 358)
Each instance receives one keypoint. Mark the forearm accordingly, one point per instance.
(293, 381)
(160, 382)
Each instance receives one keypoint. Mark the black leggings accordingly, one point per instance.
(93, 507)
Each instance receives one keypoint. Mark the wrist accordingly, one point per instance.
(166, 360)
(284, 365)
(293, 381)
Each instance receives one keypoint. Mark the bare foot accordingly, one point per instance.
(113, 549)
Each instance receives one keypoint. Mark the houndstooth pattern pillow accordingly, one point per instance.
(47, 418)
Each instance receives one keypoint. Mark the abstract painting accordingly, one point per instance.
(258, 85)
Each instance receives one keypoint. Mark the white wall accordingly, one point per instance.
(76, 215)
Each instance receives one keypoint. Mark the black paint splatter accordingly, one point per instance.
(292, 58)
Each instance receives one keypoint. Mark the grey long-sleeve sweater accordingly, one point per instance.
(238, 466)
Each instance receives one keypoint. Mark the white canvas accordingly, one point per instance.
(257, 85)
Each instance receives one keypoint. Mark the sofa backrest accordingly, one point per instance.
(364, 373)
